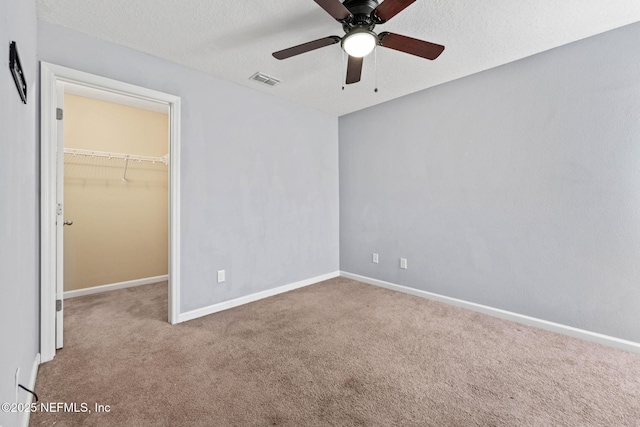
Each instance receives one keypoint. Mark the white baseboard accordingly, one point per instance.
(114, 286)
(254, 297)
(503, 314)
(32, 386)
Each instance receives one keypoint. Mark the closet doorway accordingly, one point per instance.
(115, 196)
(110, 192)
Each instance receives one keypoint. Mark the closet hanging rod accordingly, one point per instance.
(133, 157)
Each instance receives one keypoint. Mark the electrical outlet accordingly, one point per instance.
(221, 276)
(403, 263)
(374, 259)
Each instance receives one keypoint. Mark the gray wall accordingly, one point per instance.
(517, 188)
(259, 174)
(19, 291)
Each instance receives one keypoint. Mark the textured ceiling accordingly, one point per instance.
(233, 39)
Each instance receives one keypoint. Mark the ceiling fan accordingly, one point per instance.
(358, 19)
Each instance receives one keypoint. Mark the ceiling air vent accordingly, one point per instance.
(263, 78)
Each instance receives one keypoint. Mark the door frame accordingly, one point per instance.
(50, 75)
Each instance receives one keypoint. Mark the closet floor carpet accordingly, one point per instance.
(338, 353)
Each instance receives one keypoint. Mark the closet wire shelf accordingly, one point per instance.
(119, 156)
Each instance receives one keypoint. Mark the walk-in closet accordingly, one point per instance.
(115, 191)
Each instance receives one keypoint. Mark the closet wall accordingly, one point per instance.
(120, 224)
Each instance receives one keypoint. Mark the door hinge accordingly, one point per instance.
(58, 305)
(59, 113)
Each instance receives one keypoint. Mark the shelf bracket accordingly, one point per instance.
(126, 166)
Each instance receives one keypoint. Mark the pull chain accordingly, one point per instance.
(375, 68)
(344, 71)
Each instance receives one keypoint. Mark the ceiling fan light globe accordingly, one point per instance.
(359, 43)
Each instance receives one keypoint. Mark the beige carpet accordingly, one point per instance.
(339, 353)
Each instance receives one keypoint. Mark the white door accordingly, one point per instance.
(60, 221)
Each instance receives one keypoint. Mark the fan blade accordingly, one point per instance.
(390, 8)
(335, 9)
(410, 45)
(354, 69)
(305, 47)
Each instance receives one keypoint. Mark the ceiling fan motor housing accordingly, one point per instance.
(362, 11)
(360, 7)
